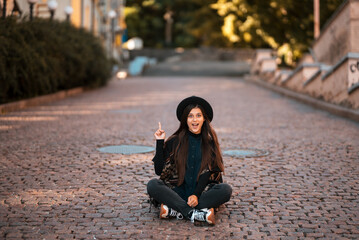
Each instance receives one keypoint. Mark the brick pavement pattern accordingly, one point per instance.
(55, 184)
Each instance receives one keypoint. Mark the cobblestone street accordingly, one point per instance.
(56, 184)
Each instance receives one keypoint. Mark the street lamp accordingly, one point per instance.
(52, 5)
(93, 16)
(4, 9)
(68, 10)
(31, 2)
(316, 19)
(169, 22)
(112, 14)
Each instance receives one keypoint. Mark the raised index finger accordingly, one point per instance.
(159, 125)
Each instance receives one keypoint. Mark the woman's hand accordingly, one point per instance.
(192, 201)
(160, 134)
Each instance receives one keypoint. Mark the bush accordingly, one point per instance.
(42, 57)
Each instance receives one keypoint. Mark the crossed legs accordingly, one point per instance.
(217, 195)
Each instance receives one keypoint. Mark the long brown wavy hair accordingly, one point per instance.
(211, 152)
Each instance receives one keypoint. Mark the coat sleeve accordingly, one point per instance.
(159, 158)
(202, 183)
(163, 151)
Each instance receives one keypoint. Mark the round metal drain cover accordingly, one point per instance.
(126, 149)
(248, 152)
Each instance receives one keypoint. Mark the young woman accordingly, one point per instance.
(189, 164)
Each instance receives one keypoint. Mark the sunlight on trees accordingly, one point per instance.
(284, 25)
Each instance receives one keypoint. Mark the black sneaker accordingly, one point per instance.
(167, 212)
(203, 215)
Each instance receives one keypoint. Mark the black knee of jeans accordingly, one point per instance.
(151, 185)
(227, 189)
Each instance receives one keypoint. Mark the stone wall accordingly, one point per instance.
(340, 35)
(354, 25)
(333, 74)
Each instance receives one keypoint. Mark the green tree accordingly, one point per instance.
(285, 25)
(200, 22)
(195, 23)
(144, 19)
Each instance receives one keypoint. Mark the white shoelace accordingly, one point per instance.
(179, 216)
(198, 215)
(174, 213)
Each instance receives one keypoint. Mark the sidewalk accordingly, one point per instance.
(55, 184)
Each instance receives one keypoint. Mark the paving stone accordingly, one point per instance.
(55, 184)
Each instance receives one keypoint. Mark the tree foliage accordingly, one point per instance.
(195, 23)
(285, 25)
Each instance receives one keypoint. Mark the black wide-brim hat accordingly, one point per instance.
(194, 100)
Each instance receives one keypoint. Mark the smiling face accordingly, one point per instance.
(195, 120)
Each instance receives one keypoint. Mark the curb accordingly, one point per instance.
(14, 106)
(316, 103)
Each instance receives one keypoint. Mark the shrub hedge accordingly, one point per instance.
(42, 57)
